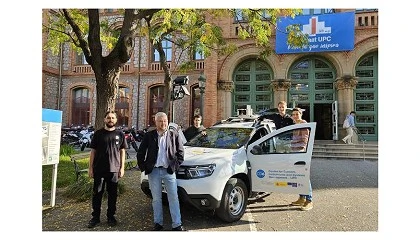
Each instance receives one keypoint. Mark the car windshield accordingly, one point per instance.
(225, 138)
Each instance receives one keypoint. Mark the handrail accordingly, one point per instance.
(359, 135)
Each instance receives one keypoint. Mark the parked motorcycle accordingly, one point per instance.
(138, 134)
(71, 135)
(86, 138)
(131, 141)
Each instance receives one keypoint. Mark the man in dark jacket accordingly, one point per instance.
(160, 154)
(195, 129)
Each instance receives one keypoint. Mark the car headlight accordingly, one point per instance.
(199, 171)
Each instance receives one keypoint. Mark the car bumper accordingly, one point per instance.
(203, 202)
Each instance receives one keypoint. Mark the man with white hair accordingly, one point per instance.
(160, 154)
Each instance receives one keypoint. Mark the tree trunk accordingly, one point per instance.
(106, 94)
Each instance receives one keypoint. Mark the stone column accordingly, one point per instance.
(345, 86)
(280, 90)
(224, 94)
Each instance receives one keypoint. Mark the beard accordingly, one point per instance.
(110, 124)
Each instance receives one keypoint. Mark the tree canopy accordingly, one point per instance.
(107, 41)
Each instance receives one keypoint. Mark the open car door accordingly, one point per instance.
(281, 160)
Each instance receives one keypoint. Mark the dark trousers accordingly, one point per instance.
(109, 179)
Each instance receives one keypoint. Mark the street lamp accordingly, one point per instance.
(202, 87)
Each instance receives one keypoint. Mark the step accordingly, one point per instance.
(340, 150)
(334, 157)
(329, 149)
(339, 142)
(347, 155)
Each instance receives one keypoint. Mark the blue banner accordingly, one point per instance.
(327, 32)
(51, 115)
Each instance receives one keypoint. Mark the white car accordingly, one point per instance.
(238, 160)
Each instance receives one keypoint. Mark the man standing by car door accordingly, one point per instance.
(160, 154)
(280, 119)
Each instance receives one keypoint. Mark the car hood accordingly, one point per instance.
(201, 156)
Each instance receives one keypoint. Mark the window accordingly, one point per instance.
(317, 11)
(360, 21)
(239, 16)
(292, 141)
(198, 55)
(155, 102)
(80, 107)
(167, 48)
(265, 15)
(122, 106)
(80, 59)
(221, 137)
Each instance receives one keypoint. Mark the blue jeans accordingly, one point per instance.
(155, 184)
(308, 197)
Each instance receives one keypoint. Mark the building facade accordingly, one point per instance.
(328, 85)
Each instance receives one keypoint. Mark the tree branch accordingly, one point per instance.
(94, 37)
(82, 43)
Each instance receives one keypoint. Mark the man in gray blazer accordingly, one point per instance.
(160, 154)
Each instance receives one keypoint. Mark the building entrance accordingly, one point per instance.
(323, 119)
(312, 88)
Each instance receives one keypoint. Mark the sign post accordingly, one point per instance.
(51, 135)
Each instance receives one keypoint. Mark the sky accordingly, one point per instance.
(398, 87)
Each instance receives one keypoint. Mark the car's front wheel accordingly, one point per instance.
(234, 201)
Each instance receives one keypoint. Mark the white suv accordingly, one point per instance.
(236, 160)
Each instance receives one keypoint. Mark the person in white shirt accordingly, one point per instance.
(348, 139)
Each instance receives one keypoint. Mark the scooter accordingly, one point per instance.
(86, 138)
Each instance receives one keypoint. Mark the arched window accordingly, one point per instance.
(155, 102)
(252, 80)
(80, 113)
(366, 96)
(122, 106)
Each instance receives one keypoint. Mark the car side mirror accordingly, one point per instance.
(256, 150)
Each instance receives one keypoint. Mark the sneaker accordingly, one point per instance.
(299, 202)
(112, 221)
(179, 228)
(308, 205)
(93, 222)
(157, 227)
(343, 140)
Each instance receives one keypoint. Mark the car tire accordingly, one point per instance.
(234, 201)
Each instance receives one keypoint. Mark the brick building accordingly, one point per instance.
(320, 82)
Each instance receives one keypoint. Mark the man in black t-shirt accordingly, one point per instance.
(106, 167)
(280, 119)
